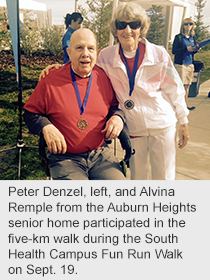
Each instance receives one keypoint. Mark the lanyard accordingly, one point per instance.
(131, 78)
(81, 106)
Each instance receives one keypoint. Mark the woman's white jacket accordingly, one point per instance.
(158, 94)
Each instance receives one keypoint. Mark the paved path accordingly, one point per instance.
(193, 162)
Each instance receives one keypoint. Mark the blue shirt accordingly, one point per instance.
(188, 56)
(65, 43)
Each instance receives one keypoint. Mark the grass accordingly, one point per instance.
(204, 56)
(9, 121)
(31, 168)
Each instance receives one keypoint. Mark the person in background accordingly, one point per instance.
(150, 93)
(184, 50)
(73, 22)
(76, 110)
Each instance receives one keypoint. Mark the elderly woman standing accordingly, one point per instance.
(184, 49)
(149, 91)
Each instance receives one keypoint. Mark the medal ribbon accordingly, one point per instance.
(81, 106)
(131, 78)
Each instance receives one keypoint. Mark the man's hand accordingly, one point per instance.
(47, 69)
(113, 127)
(183, 135)
(55, 140)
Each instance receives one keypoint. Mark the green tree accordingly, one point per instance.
(5, 37)
(51, 39)
(156, 31)
(201, 31)
(97, 18)
(29, 35)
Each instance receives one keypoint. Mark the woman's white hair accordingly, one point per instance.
(130, 11)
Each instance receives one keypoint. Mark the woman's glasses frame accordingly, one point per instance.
(121, 25)
(188, 23)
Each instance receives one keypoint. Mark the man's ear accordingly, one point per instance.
(69, 52)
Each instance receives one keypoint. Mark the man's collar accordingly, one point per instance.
(82, 77)
(88, 76)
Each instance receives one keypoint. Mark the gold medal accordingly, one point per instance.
(129, 104)
(82, 124)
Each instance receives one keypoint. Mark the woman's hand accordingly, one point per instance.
(47, 69)
(191, 49)
(183, 135)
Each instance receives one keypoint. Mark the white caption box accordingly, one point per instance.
(105, 229)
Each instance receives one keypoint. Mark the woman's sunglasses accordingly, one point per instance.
(120, 25)
(186, 24)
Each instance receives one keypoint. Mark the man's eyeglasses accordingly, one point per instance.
(186, 23)
(120, 25)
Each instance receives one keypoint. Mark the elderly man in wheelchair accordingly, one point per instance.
(74, 110)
